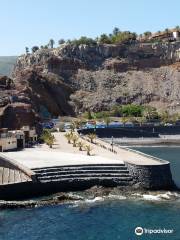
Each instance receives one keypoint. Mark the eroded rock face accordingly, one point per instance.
(70, 79)
(35, 96)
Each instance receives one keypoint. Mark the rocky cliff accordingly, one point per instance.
(72, 79)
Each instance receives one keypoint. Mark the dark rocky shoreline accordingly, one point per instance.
(90, 194)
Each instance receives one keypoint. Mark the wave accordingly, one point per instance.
(137, 196)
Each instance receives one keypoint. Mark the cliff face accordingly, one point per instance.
(70, 79)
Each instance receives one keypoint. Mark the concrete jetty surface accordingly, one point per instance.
(63, 153)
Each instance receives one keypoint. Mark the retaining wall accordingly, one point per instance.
(119, 132)
(152, 177)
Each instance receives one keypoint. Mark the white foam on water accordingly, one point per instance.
(165, 196)
(136, 194)
(116, 197)
(151, 197)
(96, 199)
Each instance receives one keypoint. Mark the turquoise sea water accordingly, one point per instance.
(100, 218)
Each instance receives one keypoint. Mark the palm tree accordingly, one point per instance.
(76, 124)
(92, 136)
(124, 120)
(115, 31)
(80, 145)
(27, 50)
(72, 126)
(50, 140)
(107, 121)
(51, 43)
(165, 117)
(69, 137)
(74, 139)
(48, 137)
(88, 149)
(166, 31)
(147, 34)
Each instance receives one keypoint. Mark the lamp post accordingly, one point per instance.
(112, 143)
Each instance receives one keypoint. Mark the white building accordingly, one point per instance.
(29, 133)
(8, 141)
(176, 35)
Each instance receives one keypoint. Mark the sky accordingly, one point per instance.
(33, 22)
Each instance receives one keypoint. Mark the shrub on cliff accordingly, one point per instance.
(83, 40)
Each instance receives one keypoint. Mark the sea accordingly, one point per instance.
(152, 215)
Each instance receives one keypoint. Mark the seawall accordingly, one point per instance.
(148, 175)
(130, 132)
(156, 177)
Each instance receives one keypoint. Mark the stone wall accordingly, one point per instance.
(152, 177)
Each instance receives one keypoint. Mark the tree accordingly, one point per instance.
(51, 43)
(77, 123)
(166, 30)
(104, 39)
(89, 116)
(165, 117)
(61, 41)
(177, 28)
(147, 34)
(48, 137)
(27, 50)
(88, 149)
(116, 31)
(123, 37)
(34, 49)
(74, 139)
(84, 40)
(131, 110)
(69, 137)
(92, 136)
(150, 113)
(107, 121)
(50, 140)
(116, 111)
(80, 145)
(124, 120)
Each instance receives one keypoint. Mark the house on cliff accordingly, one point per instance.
(166, 36)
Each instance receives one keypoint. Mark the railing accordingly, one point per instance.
(125, 148)
(143, 154)
(6, 161)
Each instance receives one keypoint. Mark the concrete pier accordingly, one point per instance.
(64, 167)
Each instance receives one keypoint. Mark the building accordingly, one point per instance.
(166, 36)
(30, 134)
(8, 140)
(20, 137)
(17, 139)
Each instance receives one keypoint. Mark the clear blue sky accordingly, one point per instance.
(34, 22)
